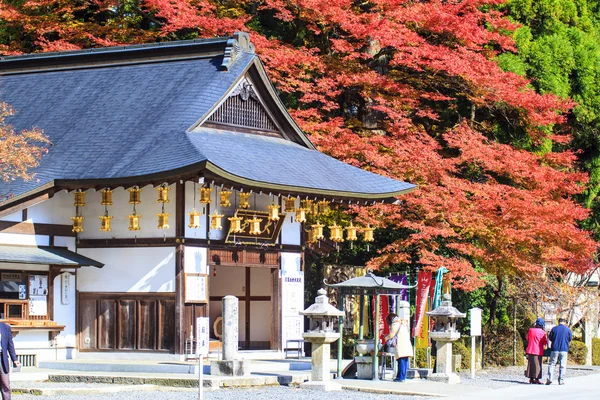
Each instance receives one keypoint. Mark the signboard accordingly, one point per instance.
(22, 292)
(269, 230)
(292, 302)
(196, 288)
(423, 286)
(38, 305)
(202, 336)
(475, 314)
(38, 285)
(11, 277)
(65, 288)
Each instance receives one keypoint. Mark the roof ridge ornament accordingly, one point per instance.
(238, 44)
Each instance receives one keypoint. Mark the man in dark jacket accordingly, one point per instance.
(7, 348)
(561, 337)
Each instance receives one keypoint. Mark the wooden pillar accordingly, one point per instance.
(247, 303)
(179, 263)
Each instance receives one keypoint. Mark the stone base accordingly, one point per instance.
(451, 379)
(324, 386)
(230, 368)
(364, 367)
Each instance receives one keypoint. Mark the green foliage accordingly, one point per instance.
(459, 347)
(596, 351)
(499, 346)
(421, 359)
(578, 352)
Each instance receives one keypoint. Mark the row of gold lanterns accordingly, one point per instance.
(237, 224)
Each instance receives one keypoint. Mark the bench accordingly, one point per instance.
(299, 348)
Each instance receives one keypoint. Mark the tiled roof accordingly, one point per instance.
(45, 255)
(120, 121)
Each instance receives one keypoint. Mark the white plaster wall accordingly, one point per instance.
(57, 210)
(260, 321)
(28, 340)
(21, 239)
(197, 233)
(229, 281)
(144, 269)
(290, 262)
(121, 209)
(260, 282)
(14, 217)
(64, 314)
(290, 231)
(195, 260)
(64, 241)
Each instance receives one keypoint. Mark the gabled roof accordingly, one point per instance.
(133, 115)
(46, 255)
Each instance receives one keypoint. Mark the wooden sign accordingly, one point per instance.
(196, 288)
(11, 277)
(269, 230)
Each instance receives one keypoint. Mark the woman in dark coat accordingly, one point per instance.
(536, 342)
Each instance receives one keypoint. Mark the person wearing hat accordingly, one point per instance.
(536, 342)
(561, 337)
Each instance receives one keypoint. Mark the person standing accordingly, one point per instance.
(561, 337)
(402, 345)
(536, 342)
(7, 348)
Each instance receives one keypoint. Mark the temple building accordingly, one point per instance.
(175, 177)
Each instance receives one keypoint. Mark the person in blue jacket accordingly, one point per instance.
(561, 337)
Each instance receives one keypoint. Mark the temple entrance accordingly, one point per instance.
(255, 288)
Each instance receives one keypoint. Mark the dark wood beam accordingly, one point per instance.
(179, 344)
(28, 228)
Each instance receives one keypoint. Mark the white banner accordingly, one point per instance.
(202, 336)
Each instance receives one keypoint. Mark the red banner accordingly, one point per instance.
(384, 329)
(423, 287)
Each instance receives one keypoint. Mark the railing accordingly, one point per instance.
(27, 360)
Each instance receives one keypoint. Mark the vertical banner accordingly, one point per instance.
(384, 329)
(423, 287)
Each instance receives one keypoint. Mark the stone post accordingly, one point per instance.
(230, 365)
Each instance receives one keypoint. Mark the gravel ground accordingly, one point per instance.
(263, 393)
(495, 378)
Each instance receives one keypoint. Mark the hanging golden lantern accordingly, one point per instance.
(205, 195)
(235, 224)
(244, 200)
(368, 232)
(134, 222)
(317, 231)
(77, 223)
(311, 237)
(79, 198)
(215, 221)
(163, 194)
(224, 195)
(163, 220)
(351, 233)
(273, 212)
(290, 204)
(300, 215)
(336, 233)
(307, 205)
(194, 219)
(135, 196)
(105, 223)
(255, 225)
(106, 197)
(323, 206)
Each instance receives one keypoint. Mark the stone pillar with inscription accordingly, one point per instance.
(230, 365)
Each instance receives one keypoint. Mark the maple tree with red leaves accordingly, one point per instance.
(407, 89)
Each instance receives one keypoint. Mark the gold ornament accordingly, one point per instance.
(235, 225)
(255, 225)
(135, 195)
(79, 198)
(323, 206)
(307, 205)
(194, 219)
(224, 195)
(300, 215)
(205, 195)
(77, 223)
(106, 197)
(368, 232)
(317, 231)
(311, 237)
(215, 221)
(105, 222)
(244, 200)
(163, 220)
(336, 233)
(351, 233)
(290, 204)
(134, 222)
(163, 194)
(273, 212)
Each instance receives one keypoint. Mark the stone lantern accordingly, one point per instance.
(444, 333)
(322, 318)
